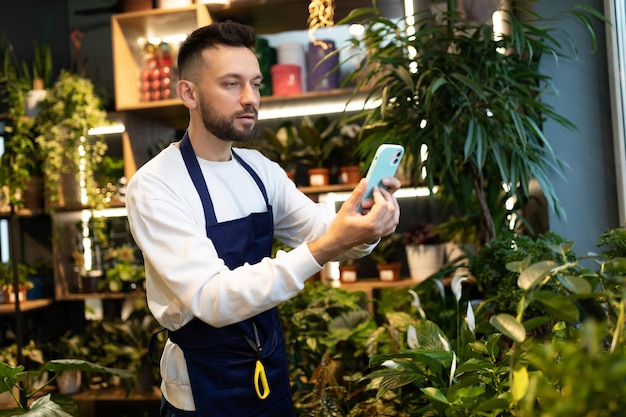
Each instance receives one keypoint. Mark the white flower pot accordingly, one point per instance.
(424, 260)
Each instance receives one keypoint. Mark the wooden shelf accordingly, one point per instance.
(27, 305)
(101, 295)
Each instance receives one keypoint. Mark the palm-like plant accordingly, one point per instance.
(472, 96)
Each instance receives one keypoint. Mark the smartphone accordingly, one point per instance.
(385, 164)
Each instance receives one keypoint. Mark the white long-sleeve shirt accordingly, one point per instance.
(185, 278)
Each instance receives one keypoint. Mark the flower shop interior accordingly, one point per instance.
(501, 292)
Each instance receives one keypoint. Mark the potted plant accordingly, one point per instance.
(7, 280)
(385, 255)
(124, 271)
(28, 400)
(313, 146)
(70, 155)
(495, 363)
(279, 146)
(471, 96)
(69, 346)
(348, 271)
(344, 154)
(20, 163)
(425, 250)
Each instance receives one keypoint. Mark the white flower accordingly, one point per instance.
(390, 364)
(470, 319)
(453, 367)
(417, 304)
(457, 287)
(411, 338)
(444, 342)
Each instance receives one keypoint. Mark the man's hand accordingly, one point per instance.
(352, 227)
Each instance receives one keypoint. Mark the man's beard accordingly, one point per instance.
(224, 127)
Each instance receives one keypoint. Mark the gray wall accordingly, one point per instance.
(588, 192)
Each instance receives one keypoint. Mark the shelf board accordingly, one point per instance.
(172, 113)
(27, 305)
(100, 295)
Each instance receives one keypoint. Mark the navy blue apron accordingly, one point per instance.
(221, 361)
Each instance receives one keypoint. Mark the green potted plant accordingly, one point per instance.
(124, 271)
(28, 400)
(70, 156)
(20, 164)
(473, 97)
(313, 146)
(385, 255)
(498, 364)
(344, 154)
(7, 280)
(69, 346)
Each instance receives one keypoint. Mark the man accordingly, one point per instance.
(205, 214)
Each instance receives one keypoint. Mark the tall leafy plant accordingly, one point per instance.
(472, 96)
(69, 110)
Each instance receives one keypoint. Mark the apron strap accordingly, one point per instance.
(152, 345)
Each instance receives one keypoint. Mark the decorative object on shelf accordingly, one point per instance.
(292, 53)
(70, 156)
(480, 118)
(286, 79)
(425, 252)
(322, 66)
(386, 257)
(157, 78)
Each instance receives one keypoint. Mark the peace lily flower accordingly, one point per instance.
(470, 319)
(390, 364)
(457, 287)
(444, 342)
(411, 338)
(416, 303)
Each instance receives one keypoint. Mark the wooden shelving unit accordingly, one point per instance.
(27, 305)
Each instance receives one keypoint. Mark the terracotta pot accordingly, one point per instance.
(319, 177)
(350, 174)
(348, 273)
(389, 272)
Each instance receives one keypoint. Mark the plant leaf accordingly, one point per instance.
(435, 394)
(535, 273)
(558, 306)
(519, 385)
(510, 327)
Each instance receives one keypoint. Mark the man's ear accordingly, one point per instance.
(187, 93)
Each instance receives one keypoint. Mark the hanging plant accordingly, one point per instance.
(69, 110)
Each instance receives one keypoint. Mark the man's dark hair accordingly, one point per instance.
(227, 33)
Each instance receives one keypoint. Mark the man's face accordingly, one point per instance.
(229, 93)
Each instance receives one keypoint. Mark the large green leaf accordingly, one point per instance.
(534, 274)
(77, 364)
(510, 327)
(558, 306)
